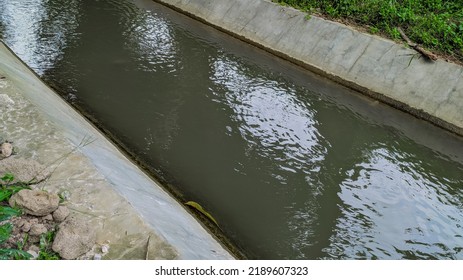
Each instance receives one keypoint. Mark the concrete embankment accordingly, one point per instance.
(131, 213)
(374, 66)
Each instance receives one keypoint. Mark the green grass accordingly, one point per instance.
(46, 241)
(435, 24)
(7, 253)
(7, 189)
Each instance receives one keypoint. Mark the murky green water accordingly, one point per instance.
(292, 166)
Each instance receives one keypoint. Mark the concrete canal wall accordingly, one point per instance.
(377, 67)
(131, 212)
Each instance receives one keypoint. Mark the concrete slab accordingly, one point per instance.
(369, 64)
(130, 211)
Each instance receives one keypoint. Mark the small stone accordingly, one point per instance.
(33, 239)
(48, 217)
(34, 254)
(97, 257)
(34, 248)
(26, 226)
(38, 229)
(61, 213)
(35, 202)
(6, 149)
(105, 249)
(19, 223)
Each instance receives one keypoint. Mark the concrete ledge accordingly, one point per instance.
(374, 66)
(109, 190)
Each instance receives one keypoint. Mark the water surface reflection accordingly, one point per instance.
(38, 31)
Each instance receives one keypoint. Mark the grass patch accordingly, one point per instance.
(46, 241)
(435, 24)
(9, 187)
(6, 191)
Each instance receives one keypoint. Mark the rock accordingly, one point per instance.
(24, 170)
(6, 149)
(74, 238)
(25, 226)
(37, 229)
(49, 217)
(97, 257)
(105, 249)
(34, 248)
(34, 254)
(35, 202)
(61, 214)
(33, 239)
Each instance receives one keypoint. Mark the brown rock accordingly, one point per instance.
(24, 170)
(61, 214)
(34, 254)
(6, 149)
(35, 202)
(26, 226)
(37, 229)
(48, 217)
(74, 238)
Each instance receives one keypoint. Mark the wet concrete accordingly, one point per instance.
(372, 65)
(129, 210)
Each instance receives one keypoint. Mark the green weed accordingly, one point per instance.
(7, 178)
(8, 212)
(46, 253)
(7, 189)
(7, 253)
(5, 231)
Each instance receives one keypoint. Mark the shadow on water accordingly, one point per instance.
(291, 165)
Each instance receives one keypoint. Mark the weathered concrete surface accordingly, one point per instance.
(123, 204)
(372, 65)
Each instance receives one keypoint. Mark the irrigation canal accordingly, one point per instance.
(291, 165)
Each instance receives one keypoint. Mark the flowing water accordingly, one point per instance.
(291, 165)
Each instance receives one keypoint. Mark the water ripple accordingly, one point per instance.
(39, 31)
(386, 197)
(152, 39)
(273, 121)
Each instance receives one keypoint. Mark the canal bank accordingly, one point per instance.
(374, 66)
(132, 215)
